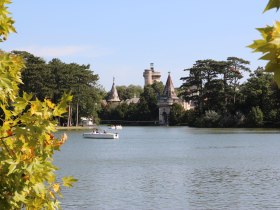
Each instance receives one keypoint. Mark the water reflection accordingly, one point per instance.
(173, 168)
(234, 189)
(223, 131)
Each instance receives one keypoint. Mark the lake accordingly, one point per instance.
(173, 168)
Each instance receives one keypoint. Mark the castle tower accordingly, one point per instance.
(169, 90)
(151, 76)
(166, 100)
(113, 95)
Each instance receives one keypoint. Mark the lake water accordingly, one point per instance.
(173, 168)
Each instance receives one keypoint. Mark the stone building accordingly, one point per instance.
(113, 99)
(134, 100)
(151, 76)
(167, 99)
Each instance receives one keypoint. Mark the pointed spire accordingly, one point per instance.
(169, 90)
(114, 96)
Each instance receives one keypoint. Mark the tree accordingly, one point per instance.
(211, 119)
(36, 77)
(234, 73)
(261, 91)
(27, 143)
(213, 86)
(127, 92)
(176, 114)
(83, 85)
(147, 108)
(51, 80)
(203, 84)
(255, 117)
(257, 90)
(269, 45)
(192, 87)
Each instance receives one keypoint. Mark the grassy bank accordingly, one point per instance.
(73, 128)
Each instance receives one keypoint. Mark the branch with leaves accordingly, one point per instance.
(27, 143)
(269, 45)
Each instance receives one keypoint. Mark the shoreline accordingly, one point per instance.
(74, 128)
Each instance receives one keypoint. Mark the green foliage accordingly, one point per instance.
(255, 117)
(211, 118)
(189, 117)
(176, 114)
(27, 146)
(272, 115)
(128, 92)
(259, 91)
(144, 112)
(10, 66)
(36, 77)
(213, 85)
(148, 109)
(51, 80)
(269, 45)
(27, 143)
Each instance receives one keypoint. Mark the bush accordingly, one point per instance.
(189, 117)
(255, 117)
(211, 118)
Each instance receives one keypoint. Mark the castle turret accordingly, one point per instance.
(113, 95)
(151, 76)
(169, 90)
(166, 100)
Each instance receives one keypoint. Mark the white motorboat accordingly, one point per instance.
(116, 127)
(104, 135)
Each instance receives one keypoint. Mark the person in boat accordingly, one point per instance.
(95, 130)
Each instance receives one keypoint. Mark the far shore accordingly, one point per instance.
(74, 127)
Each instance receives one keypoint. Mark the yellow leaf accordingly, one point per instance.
(64, 137)
(52, 194)
(49, 104)
(68, 181)
(56, 187)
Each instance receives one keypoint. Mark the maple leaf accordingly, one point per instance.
(272, 4)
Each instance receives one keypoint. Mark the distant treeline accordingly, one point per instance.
(213, 86)
(220, 99)
(52, 79)
(223, 101)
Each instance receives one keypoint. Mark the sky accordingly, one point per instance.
(120, 38)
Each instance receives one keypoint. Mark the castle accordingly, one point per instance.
(165, 101)
(151, 76)
(113, 97)
(168, 97)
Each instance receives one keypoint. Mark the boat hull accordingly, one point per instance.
(101, 135)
